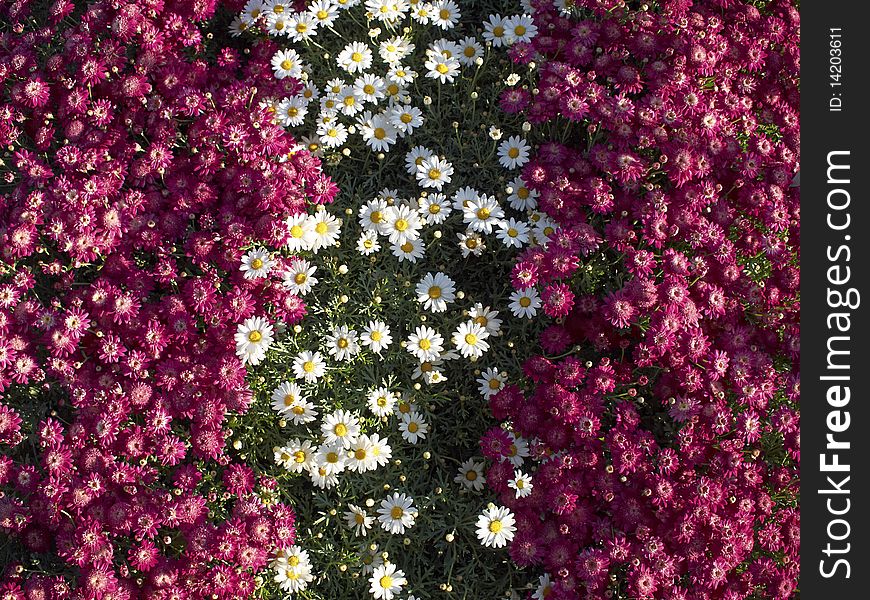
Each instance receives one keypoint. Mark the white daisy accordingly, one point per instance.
(341, 427)
(435, 291)
(252, 11)
(545, 586)
(302, 26)
(369, 87)
(470, 243)
(381, 402)
(495, 30)
(444, 47)
(490, 382)
(371, 214)
(322, 477)
(495, 526)
(362, 455)
(355, 58)
(291, 112)
(525, 302)
(388, 11)
(300, 233)
(253, 338)
(299, 277)
(518, 451)
(401, 224)
(349, 101)
(368, 243)
(332, 134)
(342, 343)
(285, 396)
(434, 208)
(421, 12)
(411, 250)
(446, 14)
(464, 196)
(324, 12)
(277, 24)
(513, 152)
(470, 339)
(434, 172)
(442, 68)
(513, 233)
(309, 93)
(471, 475)
(486, 318)
(376, 335)
(358, 519)
(293, 570)
(387, 581)
(331, 457)
(397, 513)
(425, 343)
(326, 230)
(469, 51)
(309, 366)
(392, 50)
(378, 133)
(413, 428)
(401, 75)
(521, 484)
(520, 28)
(256, 263)
(483, 215)
(415, 157)
(287, 63)
(406, 118)
(520, 196)
(278, 7)
(380, 450)
(296, 456)
(544, 230)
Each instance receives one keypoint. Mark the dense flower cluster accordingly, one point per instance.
(137, 168)
(667, 426)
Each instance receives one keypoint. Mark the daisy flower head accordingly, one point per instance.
(300, 233)
(496, 526)
(302, 26)
(322, 477)
(296, 456)
(343, 343)
(405, 118)
(513, 233)
(309, 366)
(332, 134)
(326, 228)
(444, 47)
(371, 214)
(379, 450)
(293, 570)
(299, 278)
(381, 402)
(425, 343)
(421, 12)
(518, 450)
(434, 208)
(435, 291)
(520, 196)
(277, 7)
(490, 382)
(495, 31)
(379, 133)
(368, 243)
(277, 24)
(386, 582)
(464, 196)
(471, 475)
(525, 302)
(349, 102)
(446, 14)
(291, 112)
(401, 224)
(397, 513)
(253, 338)
(410, 251)
(483, 214)
(252, 11)
(470, 243)
(369, 87)
(470, 339)
(331, 458)
(287, 63)
(356, 57)
(362, 455)
(544, 588)
(256, 264)
(545, 227)
(401, 74)
(392, 50)
(413, 428)
(513, 152)
(520, 28)
(324, 12)
(521, 484)
(469, 51)
(486, 318)
(442, 68)
(376, 335)
(285, 396)
(415, 157)
(388, 11)
(358, 520)
(341, 427)
(434, 172)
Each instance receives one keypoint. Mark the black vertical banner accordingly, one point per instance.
(835, 298)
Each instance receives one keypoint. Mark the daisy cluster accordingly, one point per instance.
(664, 410)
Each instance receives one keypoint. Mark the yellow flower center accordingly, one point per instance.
(494, 384)
(523, 193)
(340, 430)
(322, 14)
(255, 336)
(434, 209)
(471, 475)
(495, 526)
(298, 410)
(434, 173)
(442, 68)
(404, 408)
(257, 264)
(470, 339)
(386, 582)
(299, 456)
(471, 243)
(301, 27)
(401, 225)
(309, 366)
(376, 216)
(286, 64)
(397, 512)
(481, 320)
(525, 301)
(289, 399)
(292, 575)
(332, 457)
(407, 247)
(513, 232)
(413, 427)
(393, 89)
(349, 100)
(300, 278)
(360, 454)
(520, 484)
(297, 232)
(434, 292)
(382, 401)
(406, 118)
(333, 132)
(278, 9)
(292, 111)
(321, 228)
(498, 31)
(469, 51)
(375, 336)
(368, 244)
(514, 152)
(483, 213)
(360, 519)
(279, 25)
(425, 344)
(444, 13)
(400, 73)
(293, 561)
(356, 57)
(391, 48)
(369, 89)
(520, 30)
(342, 343)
